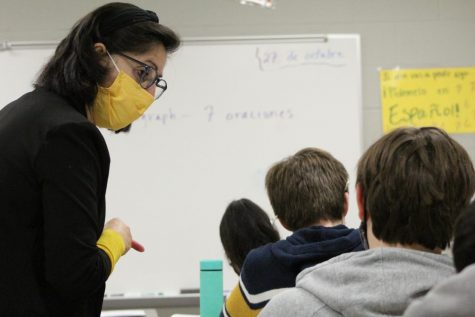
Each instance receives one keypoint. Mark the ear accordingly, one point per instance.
(101, 51)
(346, 204)
(360, 201)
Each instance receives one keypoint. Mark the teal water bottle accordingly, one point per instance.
(211, 288)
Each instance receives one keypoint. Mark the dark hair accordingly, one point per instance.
(75, 70)
(415, 182)
(244, 226)
(464, 239)
(307, 187)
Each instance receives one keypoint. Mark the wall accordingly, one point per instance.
(406, 33)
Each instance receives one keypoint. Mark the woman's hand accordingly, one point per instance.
(123, 229)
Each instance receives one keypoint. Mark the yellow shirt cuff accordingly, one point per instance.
(112, 243)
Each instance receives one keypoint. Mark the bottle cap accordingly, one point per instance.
(211, 265)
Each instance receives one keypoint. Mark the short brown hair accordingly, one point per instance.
(307, 187)
(415, 182)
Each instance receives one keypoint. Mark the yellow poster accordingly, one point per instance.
(441, 97)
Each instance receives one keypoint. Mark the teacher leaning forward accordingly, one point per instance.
(55, 250)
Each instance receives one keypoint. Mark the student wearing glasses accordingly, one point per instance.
(57, 250)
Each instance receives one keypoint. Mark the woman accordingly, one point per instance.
(54, 164)
(244, 226)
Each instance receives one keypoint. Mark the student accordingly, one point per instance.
(244, 226)
(308, 192)
(464, 239)
(56, 250)
(455, 296)
(411, 185)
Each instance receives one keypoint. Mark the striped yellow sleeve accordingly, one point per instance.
(112, 243)
(236, 305)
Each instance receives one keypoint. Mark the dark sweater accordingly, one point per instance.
(54, 166)
(272, 268)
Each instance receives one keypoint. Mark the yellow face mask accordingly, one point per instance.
(120, 104)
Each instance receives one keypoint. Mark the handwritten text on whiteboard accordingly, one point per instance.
(273, 58)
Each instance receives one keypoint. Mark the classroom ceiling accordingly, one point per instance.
(26, 20)
(23, 20)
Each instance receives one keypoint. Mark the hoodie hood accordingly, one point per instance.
(309, 246)
(376, 282)
(454, 297)
(272, 268)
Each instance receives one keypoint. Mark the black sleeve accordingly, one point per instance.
(73, 175)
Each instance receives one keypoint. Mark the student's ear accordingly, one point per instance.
(346, 203)
(360, 202)
(101, 51)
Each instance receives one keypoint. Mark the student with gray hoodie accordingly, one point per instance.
(454, 297)
(411, 186)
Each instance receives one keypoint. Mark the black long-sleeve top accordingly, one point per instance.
(54, 166)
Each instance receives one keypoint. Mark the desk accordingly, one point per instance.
(165, 305)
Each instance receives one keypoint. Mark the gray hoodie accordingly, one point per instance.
(376, 282)
(454, 297)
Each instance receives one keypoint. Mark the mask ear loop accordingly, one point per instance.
(113, 62)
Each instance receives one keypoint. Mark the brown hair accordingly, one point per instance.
(307, 187)
(415, 182)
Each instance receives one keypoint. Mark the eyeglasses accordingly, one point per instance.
(148, 77)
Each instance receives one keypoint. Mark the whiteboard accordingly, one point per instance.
(233, 108)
